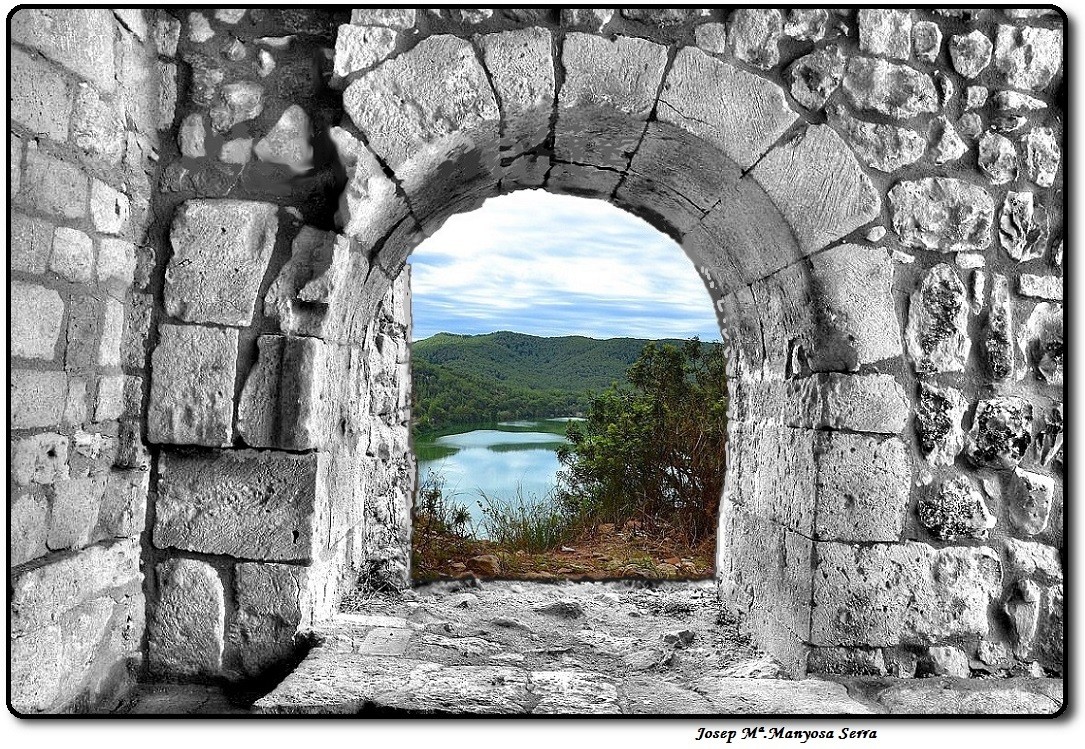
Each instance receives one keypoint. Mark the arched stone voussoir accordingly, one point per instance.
(741, 113)
(426, 107)
(521, 68)
(608, 93)
(818, 186)
(370, 205)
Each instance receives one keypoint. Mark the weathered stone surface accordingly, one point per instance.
(358, 48)
(250, 505)
(754, 36)
(863, 485)
(970, 53)
(271, 599)
(320, 262)
(39, 459)
(75, 508)
(938, 417)
(1030, 496)
(1023, 226)
(123, 512)
(39, 96)
(238, 102)
(733, 696)
(592, 19)
(998, 337)
(997, 158)
(185, 634)
(847, 661)
(79, 39)
(109, 209)
(97, 126)
(947, 145)
(1023, 609)
(1048, 443)
(288, 141)
(948, 696)
(573, 693)
(884, 32)
(609, 90)
(199, 28)
(818, 186)
(521, 68)
(221, 249)
(280, 404)
(396, 18)
(954, 510)
(73, 255)
(192, 136)
(1028, 57)
(192, 386)
(39, 594)
(857, 314)
(36, 317)
(711, 37)
(937, 330)
(945, 660)
(1042, 155)
(941, 213)
(31, 241)
(465, 113)
(814, 77)
(370, 206)
(737, 111)
(807, 24)
(1040, 287)
(1031, 560)
(926, 40)
(54, 187)
(1001, 432)
(649, 696)
(1041, 342)
(893, 90)
(873, 403)
(856, 599)
(883, 147)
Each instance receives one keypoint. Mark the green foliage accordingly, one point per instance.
(466, 380)
(435, 514)
(653, 450)
(528, 524)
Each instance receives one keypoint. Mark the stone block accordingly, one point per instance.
(445, 119)
(395, 18)
(85, 313)
(1033, 561)
(320, 262)
(772, 473)
(875, 403)
(955, 509)
(738, 112)
(37, 398)
(36, 316)
(885, 32)
(39, 97)
(54, 187)
(98, 126)
(31, 243)
(857, 597)
(109, 348)
(370, 206)
(280, 405)
(186, 631)
(271, 602)
(109, 208)
(247, 504)
(79, 39)
(863, 487)
(937, 332)
(521, 68)
(358, 48)
(73, 255)
(1029, 501)
(192, 386)
(897, 91)
(221, 249)
(40, 593)
(818, 187)
(609, 90)
(1001, 432)
(753, 34)
(29, 522)
(884, 147)
(76, 503)
(123, 512)
(847, 661)
(39, 459)
(856, 310)
(1027, 57)
(237, 102)
(939, 413)
(1042, 155)
(585, 181)
(943, 214)
(109, 405)
(289, 141)
(116, 263)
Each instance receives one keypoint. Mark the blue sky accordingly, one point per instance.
(553, 265)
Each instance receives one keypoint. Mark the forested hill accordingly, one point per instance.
(461, 380)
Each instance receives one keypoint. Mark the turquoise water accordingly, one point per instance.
(499, 460)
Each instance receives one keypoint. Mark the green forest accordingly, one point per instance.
(465, 380)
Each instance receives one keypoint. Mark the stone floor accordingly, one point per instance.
(573, 648)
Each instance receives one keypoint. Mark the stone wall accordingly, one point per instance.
(88, 93)
(873, 199)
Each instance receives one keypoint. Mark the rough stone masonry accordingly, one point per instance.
(210, 384)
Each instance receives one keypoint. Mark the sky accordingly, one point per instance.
(550, 265)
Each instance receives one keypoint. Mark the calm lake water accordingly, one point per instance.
(495, 459)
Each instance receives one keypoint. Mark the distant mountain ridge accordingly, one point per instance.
(471, 379)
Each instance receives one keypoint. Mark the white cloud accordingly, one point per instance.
(556, 265)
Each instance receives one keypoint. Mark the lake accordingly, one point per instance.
(499, 460)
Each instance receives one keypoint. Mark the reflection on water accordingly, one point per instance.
(498, 460)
